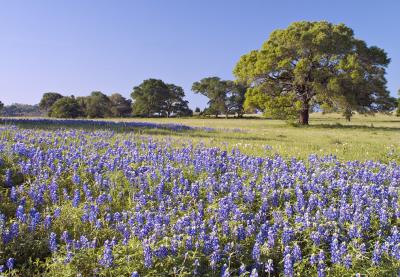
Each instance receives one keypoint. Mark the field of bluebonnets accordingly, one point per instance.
(115, 200)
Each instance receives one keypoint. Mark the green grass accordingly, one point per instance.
(363, 138)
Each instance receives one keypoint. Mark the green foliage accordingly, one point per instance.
(48, 99)
(225, 97)
(82, 102)
(148, 97)
(21, 110)
(98, 105)
(316, 64)
(154, 97)
(175, 104)
(1, 106)
(120, 106)
(66, 107)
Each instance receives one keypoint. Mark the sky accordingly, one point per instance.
(77, 46)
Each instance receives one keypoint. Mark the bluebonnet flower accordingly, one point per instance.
(135, 274)
(148, 256)
(108, 258)
(77, 198)
(254, 273)
(8, 179)
(225, 271)
(296, 253)
(10, 263)
(20, 214)
(288, 265)
(196, 265)
(47, 222)
(321, 264)
(347, 261)
(57, 213)
(53, 242)
(256, 252)
(376, 254)
(269, 267)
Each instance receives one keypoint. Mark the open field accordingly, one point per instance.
(363, 138)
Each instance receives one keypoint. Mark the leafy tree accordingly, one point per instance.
(1, 106)
(226, 97)
(48, 99)
(215, 90)
(174, 103)
(235, 98)
(66, 107)
(149, 97)
(315, 64)
(83, 103)
(120, 106)
(197, 110)
(22, 110)
(98, 105)
(154, 97)
(398, 105)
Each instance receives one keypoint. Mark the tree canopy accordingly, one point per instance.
(174, 103)
(154, 97)
(21, 110)
(225, 97)
(1, 106)
(120, 106)
(48, 99)
(98, 105)
(315, 64)
(66, 107)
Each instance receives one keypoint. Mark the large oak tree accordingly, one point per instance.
(315, 64)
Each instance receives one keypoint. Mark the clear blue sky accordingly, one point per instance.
(75, 47)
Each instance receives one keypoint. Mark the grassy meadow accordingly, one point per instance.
(363, 138)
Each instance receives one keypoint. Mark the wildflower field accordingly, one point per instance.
(196, 197)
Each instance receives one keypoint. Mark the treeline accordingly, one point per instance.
(152, 98)
(96, 105)
(20, 110)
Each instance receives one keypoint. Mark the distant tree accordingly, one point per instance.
(83, 102)
(98, 105)
(398, 105)
(48, 99)
(174, 104)
(149, 97)
(120, 106)
(1, 106)
(235, 98)
(197, 110)
(22, 110)
(215, 90)
(225, 97)
(315, 63)
(66, 107)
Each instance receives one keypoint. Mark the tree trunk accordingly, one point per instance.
(304, 114)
